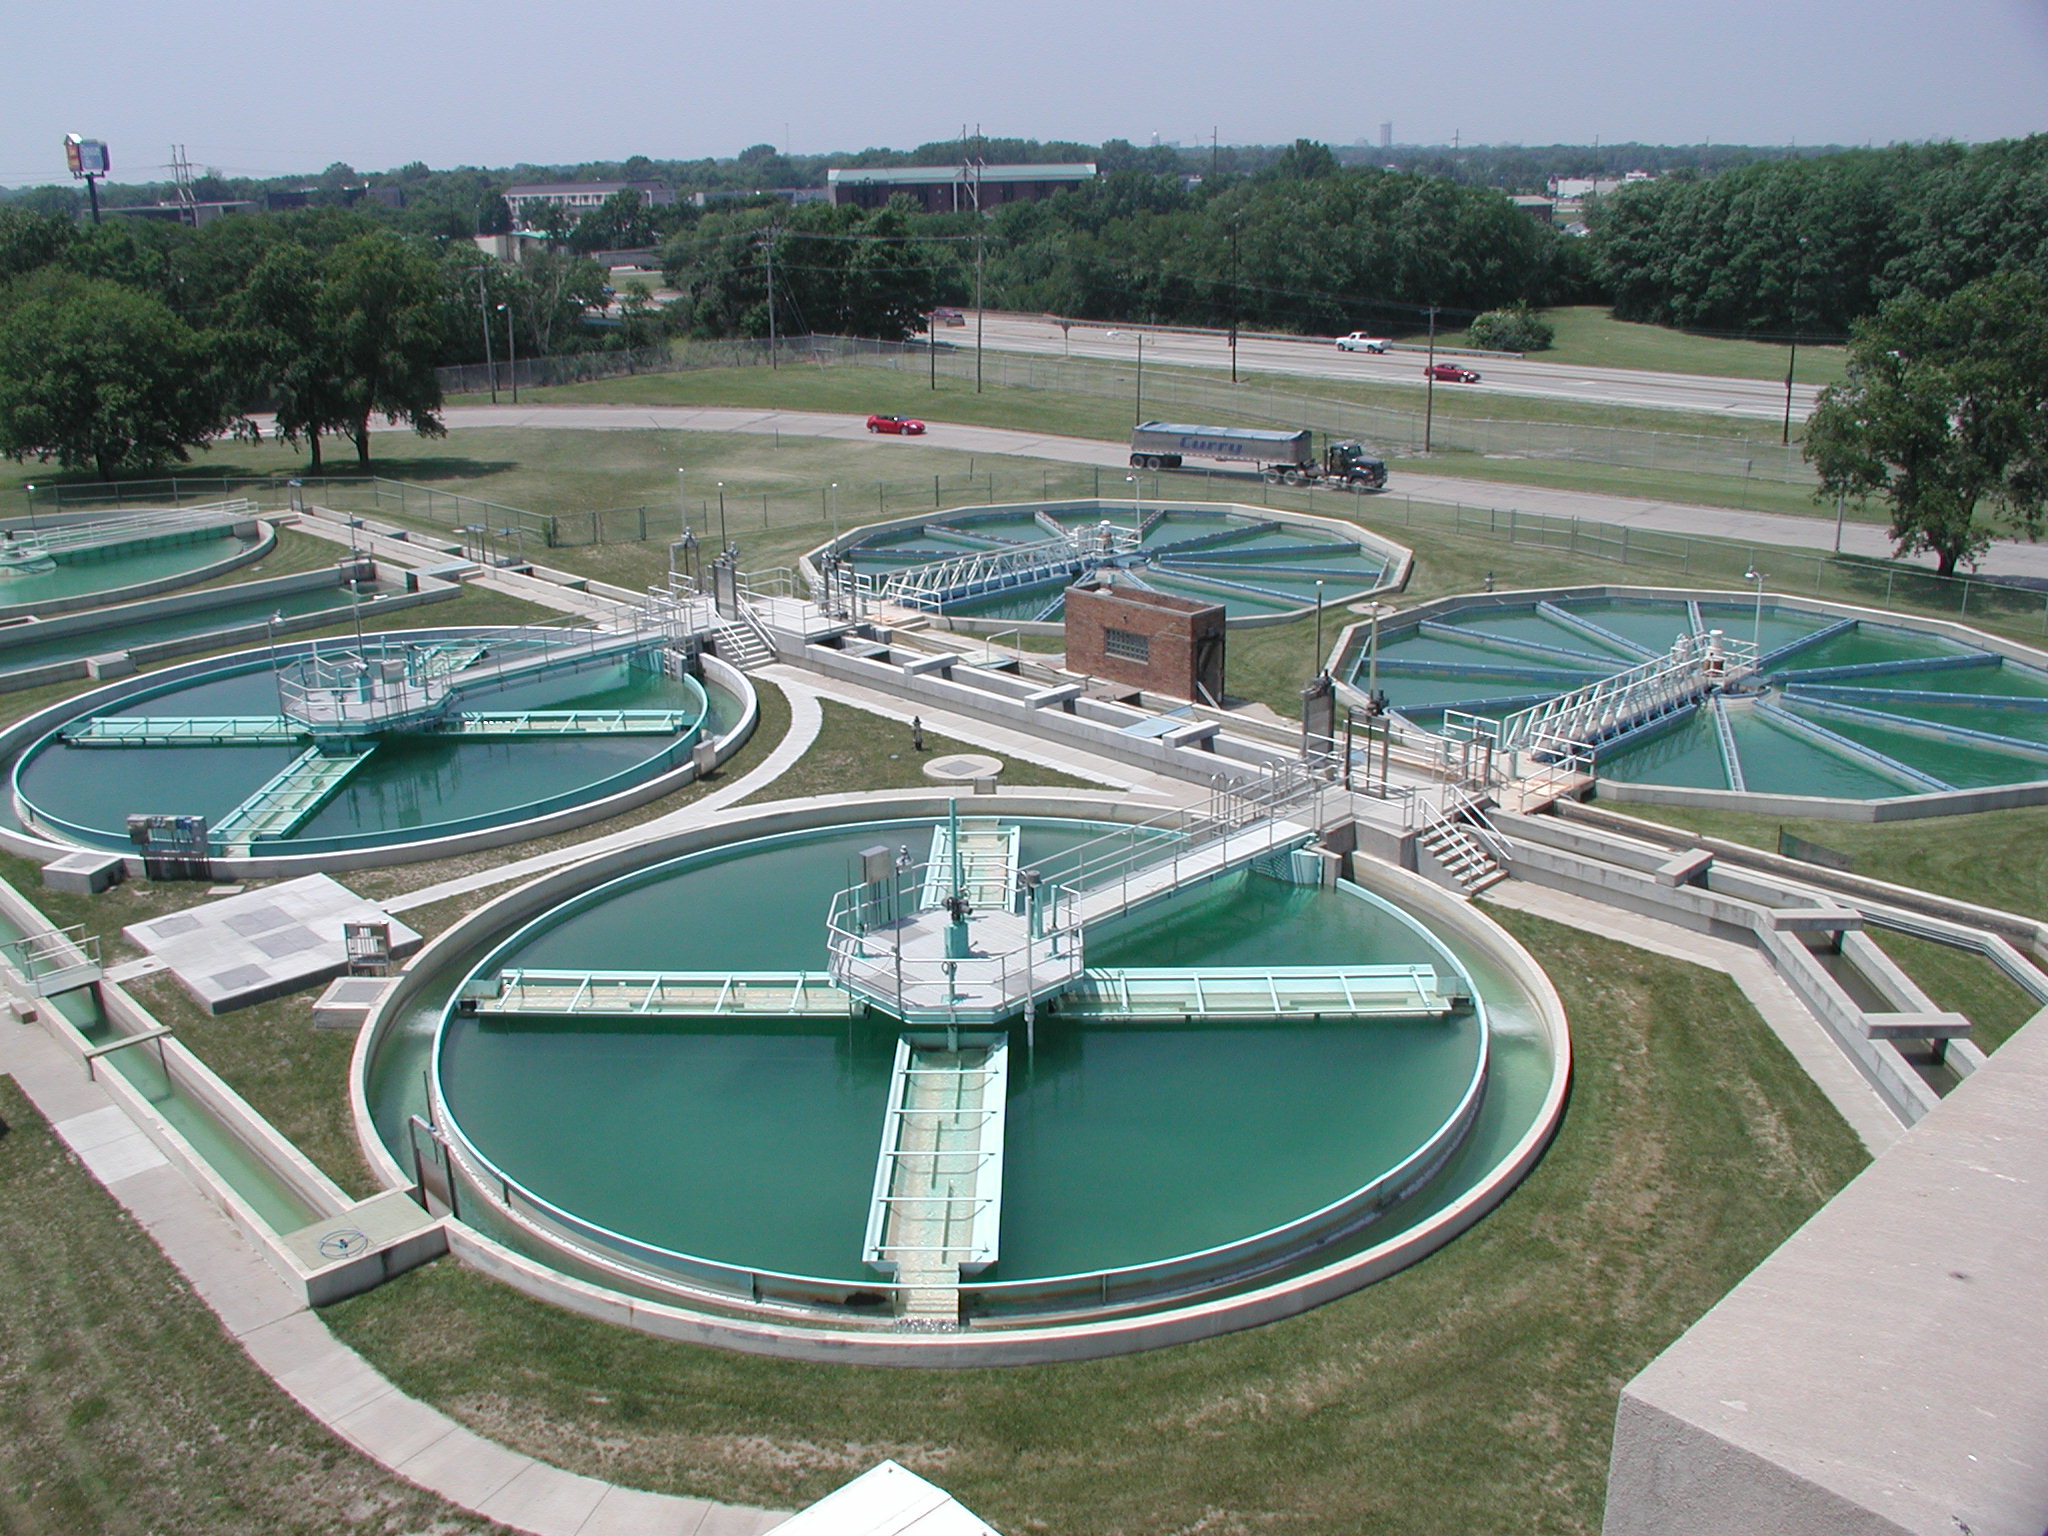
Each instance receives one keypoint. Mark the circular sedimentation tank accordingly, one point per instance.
(1845, 704)
(1001, 566)
(462, 734)
(64, 564)
(1157, 1167)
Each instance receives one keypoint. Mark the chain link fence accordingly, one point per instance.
(2005, 606)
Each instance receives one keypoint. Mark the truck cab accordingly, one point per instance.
(1351, 465)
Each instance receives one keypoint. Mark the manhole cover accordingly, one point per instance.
(962, 767)
(343, 1243)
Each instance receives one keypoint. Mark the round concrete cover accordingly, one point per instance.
(963, 768)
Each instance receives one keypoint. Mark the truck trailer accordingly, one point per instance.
(1282, 458)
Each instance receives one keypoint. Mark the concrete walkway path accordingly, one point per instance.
(1763, 528)
(1803, 1035)
(290, 1344)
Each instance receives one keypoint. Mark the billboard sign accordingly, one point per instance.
(86, 157)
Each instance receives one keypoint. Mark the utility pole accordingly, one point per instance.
(1792, 361)
(483, 312)
(769, 240)
(1429, 385)
(1233, 297)
(980, 248)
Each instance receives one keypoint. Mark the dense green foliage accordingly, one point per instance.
(1944, 411)
(98, 376)
(1306, 246)
(838, 271)
(1517, 328)
(1808, 246)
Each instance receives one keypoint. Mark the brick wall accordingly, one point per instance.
(1147, 640)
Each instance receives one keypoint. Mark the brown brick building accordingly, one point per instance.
(1148, 640)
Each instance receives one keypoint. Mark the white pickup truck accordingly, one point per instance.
(1358, 341)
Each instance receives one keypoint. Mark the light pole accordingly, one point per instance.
(1321, 670)
(1138, 392)
(511, 353)
(832, 498)
(1429, 386)
(1137, 511)
(682, 499)
(276, 677)
(722, 542)
(1756, 630)
(931, 336)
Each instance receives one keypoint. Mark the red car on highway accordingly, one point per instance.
(902, 426)
(1450, 373)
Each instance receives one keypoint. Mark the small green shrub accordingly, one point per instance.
(1515, 329)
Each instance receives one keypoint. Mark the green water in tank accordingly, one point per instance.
(756, 1144)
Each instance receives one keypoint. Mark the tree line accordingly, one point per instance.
(125, 344)
(1809, 246)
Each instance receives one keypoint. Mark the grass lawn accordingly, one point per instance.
(859, 750)
(1472, 1392)
(123, 1406)
(1106, 409)
(1993, 858)
(1498, 475)
(1590, 337)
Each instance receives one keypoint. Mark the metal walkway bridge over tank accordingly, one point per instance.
(339, 703)
(953, 950)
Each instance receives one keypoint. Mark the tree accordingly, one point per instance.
(380, 314)
(1944, 410)
(281, 352)
(96, 375)
(621, 222)
(30, 240)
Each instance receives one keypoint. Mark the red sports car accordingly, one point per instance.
(1450, 373)
(906, 426)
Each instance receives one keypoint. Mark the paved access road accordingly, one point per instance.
(2004, 559)
(1320, 359)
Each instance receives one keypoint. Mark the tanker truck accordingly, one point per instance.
(1287, 458)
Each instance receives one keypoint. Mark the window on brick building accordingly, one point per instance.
(1125, 646)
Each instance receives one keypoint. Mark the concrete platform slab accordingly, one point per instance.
(110, 1145)
(262, 944)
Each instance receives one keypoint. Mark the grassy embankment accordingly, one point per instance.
(123, 1406)
(1588, 336)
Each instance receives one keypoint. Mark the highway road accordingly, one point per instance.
(2004, 559)
(1303, 358)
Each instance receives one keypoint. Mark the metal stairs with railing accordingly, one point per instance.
(743, 642)
(1460, 852)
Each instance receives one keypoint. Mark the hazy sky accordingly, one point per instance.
(277, 89)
